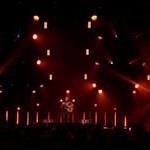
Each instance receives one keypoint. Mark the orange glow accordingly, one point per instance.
(38, 62)
(37, 117)
(99, 37)
(33, 91)
(89, 25)
(45, 24)
(94, 17)
(100, 91)
(148, 77)
(125, 122)
(94, 85)
(111, 62)
(36, 18)
(67, 91)
(6, 115)
(35, 36)
(136, 86)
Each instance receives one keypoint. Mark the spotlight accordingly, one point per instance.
(36, 18)
(67, 91)
(37, 104)
(94, 17)
(136, 86)
(94, 85)
(41, 86)
(33, 91)
(38, 62)
(99, 37)
(35, 36)
(100, 91)
(18, 108)
(97, 63)
(134, 92)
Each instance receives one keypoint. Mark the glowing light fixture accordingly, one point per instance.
(94, 85)
(67, 91)
(148, 77)
(37, 104)
(99, 37)
(41, 86)
(48, 52)
(36, 18)
(94, 17)
(35, 36)
(38, 62)
(50, 77)
(45, 24)
(89, 25)
(136, 86)
(134, 92)
(85, 76)
(87, 52)
(33, 91)
(100, 91)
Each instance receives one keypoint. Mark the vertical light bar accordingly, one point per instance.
(6, 115)
(148, 77)
(50, 77)
(96, 118)
(105, 119)
(27, 118)
(125, 122)
(48, 117)
(45, 24)
(48, 52)
(37, 117)
(83, 119)
(89, 25)
(85, 76)
(17, 118)
(87, 52)
(115, 117)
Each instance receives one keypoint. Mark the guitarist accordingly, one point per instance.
(67, 109)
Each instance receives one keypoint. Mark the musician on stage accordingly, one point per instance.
(67, 109)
